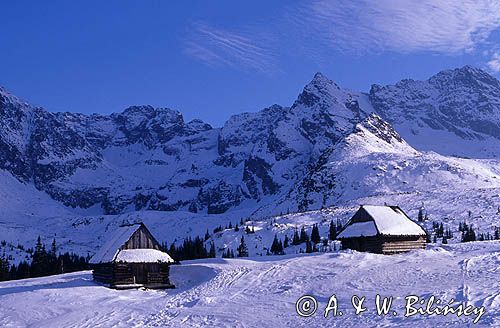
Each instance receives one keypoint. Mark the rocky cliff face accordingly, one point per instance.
(453, 112)
(150, 158)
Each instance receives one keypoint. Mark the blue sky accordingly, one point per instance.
(212, 59)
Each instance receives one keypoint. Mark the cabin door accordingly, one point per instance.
(139, 272)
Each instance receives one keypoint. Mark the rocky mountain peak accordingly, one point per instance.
(8, 98)
(318, 90)
(467, 76)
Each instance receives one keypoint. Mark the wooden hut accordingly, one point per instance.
(132, 258)
(382, 229)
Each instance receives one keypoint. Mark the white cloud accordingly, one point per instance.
(494, 63)
(218, 47)
(448, 26)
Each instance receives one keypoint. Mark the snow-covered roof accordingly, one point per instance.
(142, 255)
(359, 229)
(111, 248)
(386, 220)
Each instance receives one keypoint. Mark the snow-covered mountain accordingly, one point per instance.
(147, 158)
(455, 112)
(332, 148)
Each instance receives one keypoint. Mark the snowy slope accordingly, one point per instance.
(220, 293)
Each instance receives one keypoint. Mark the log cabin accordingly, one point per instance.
(383, 230)
(132, 258)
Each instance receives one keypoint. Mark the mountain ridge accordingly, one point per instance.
(150, 158)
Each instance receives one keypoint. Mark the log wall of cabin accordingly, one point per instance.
(103, 273)
(384, 244)
(402, 244)
(130, 273)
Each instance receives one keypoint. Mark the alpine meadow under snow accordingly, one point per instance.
(262, 291)
(431, 146)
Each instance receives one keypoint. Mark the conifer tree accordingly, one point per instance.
(211, 252)
(304, 237)
(296, 238)
(309, 248)
(53, 248)
(242, 249)
(286, 242)
(274, 245)
(315, 237)
(420, 217)
(332, 232)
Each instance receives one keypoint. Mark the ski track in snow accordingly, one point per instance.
(262, 291)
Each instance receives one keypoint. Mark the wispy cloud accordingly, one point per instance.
(494, 63)
(219, 47)
(313, 30)
(447, 26)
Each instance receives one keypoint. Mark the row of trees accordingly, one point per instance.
(468, 233)
(311, 242)
(43, 263)
(190, 249)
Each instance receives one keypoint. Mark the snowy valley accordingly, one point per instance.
(262, 292)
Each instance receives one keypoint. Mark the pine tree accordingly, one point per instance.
(309, 248)
(207, 235)
(53, 248)
(445, 241)
(39, 264)
(280, 248)
(296, 238)
(277, 246)
(420, 214)
(4, 268)
(274, 245)
(286, 242)
(236, 228)
(211, 253)
(315, 237)
(332, 232)
(242, 249)
(304, 237)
